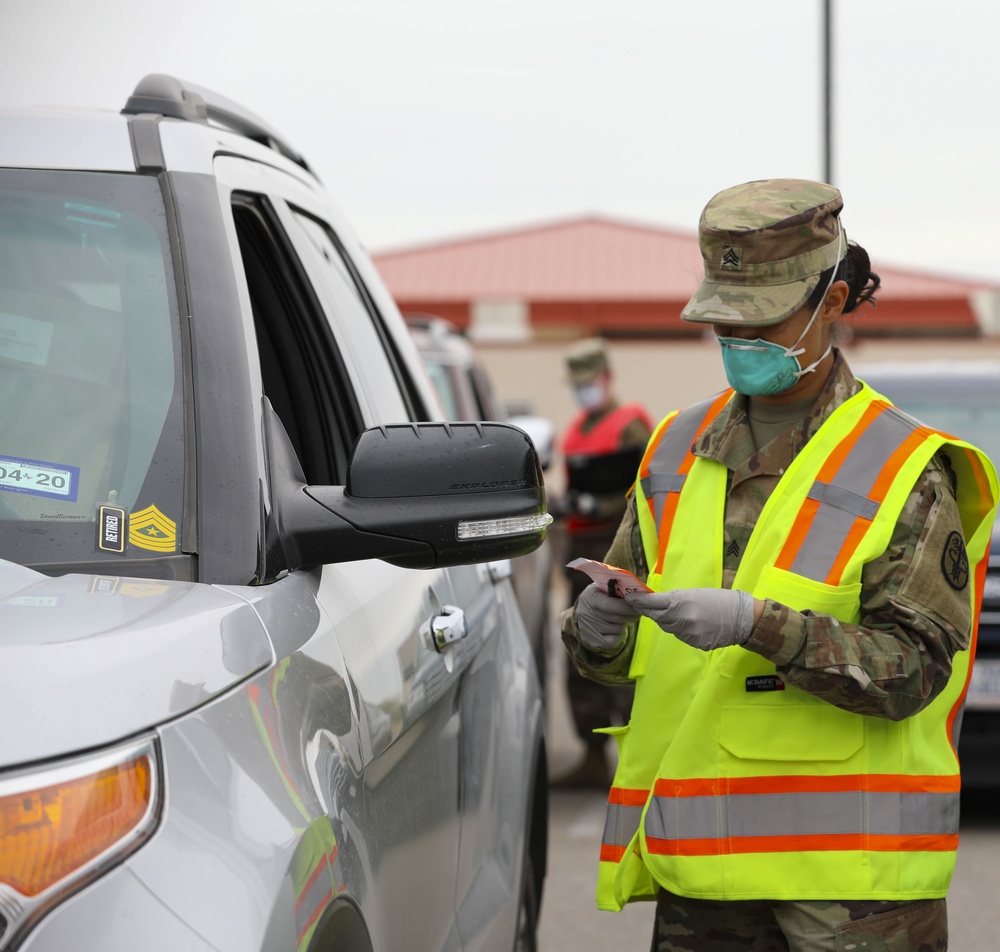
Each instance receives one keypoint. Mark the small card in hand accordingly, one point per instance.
(615, 581)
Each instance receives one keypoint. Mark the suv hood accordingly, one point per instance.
(86, 660)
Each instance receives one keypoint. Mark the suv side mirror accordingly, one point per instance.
(418, 495)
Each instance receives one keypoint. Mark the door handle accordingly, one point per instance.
(448, 627)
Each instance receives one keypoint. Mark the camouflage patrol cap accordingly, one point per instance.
(587, 359)
(765, 245)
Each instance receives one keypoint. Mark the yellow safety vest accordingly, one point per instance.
(730, 784)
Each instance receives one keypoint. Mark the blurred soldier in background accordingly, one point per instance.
(602, 448)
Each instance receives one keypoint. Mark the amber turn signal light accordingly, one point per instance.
(48, 833)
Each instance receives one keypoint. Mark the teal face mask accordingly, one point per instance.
(759, 367)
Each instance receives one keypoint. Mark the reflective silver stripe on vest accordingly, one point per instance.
(841, 498)
(662, 483)
(802, 814)
(621, 823)
(664, 476)
(844, 500)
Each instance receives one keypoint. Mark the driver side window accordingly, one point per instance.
(302, 371)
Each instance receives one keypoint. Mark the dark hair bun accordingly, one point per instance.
(856, 270)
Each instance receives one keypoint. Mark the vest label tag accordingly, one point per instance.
(765, 682)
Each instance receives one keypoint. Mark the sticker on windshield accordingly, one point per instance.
(112, 527)
(25, 339)
(38, 478)
(151, 529)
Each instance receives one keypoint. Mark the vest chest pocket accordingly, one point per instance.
(841, 601)
(790, 732)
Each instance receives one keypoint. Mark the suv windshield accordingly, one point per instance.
(91, 434)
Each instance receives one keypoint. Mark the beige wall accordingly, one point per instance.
(665, 375)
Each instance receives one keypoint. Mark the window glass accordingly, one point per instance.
(445, 387)
(356, 325)
(90, 369)
(490, 405)
(301, 367)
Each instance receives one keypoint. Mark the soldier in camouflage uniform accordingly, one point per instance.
(591, 509)
(914, 614)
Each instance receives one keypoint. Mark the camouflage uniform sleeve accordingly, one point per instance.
(913, 618)
(636, 433)
(609, 670)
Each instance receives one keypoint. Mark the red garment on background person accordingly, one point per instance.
(600, 438)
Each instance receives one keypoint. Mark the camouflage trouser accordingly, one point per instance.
(696, 925)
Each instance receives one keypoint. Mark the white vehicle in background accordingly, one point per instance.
(467, 393)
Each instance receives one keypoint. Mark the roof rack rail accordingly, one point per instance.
(166, 95)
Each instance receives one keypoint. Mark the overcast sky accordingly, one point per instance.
(441, 118)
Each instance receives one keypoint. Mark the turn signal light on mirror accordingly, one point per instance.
(514, 525)
(53, 825)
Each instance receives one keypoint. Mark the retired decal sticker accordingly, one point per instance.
(955, 562)
(151, 529)
(112, 526)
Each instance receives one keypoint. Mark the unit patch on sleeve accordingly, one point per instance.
(955, 562)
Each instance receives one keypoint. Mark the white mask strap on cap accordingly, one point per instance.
(790, 351)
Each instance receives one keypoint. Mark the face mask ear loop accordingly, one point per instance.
(790, 351)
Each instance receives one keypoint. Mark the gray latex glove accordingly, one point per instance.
(704, 618)
(601, 619)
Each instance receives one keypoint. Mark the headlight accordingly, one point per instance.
(63, 826)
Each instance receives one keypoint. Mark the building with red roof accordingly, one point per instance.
(596, 275)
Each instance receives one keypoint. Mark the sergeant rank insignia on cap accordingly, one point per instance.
(732, 258)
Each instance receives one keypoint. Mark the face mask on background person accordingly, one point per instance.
(759, 368)
(591, 396)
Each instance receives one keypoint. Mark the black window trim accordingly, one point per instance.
(340, 416)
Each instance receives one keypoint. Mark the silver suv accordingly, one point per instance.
(263, 680)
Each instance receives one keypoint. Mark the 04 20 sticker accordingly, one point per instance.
(39, 478)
